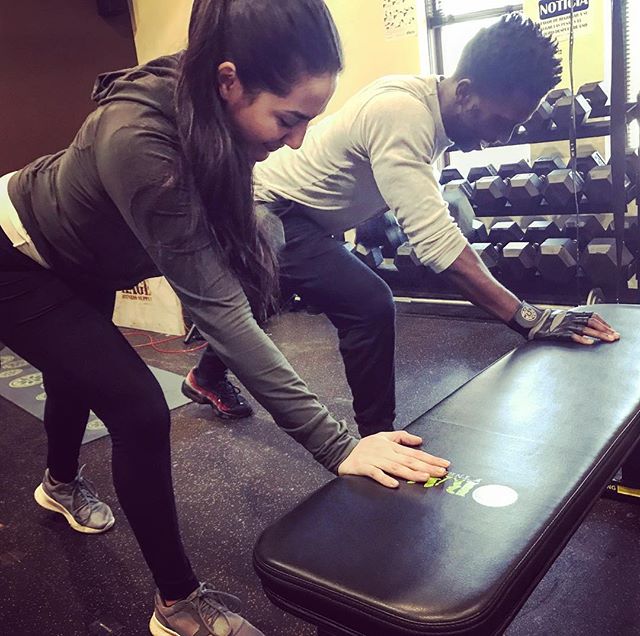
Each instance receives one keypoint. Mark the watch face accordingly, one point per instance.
(528, 313)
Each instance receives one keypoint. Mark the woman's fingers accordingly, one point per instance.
(382, 457)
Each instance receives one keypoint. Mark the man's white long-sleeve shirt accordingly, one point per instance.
(376, 153)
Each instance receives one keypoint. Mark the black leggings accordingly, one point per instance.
(357, 301)
(64, 329)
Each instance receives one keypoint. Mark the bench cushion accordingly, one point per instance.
(533, 440)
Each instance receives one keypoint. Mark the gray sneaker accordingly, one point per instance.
(77, 501)
(205, 612)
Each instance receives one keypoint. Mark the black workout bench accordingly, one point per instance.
(533, 441)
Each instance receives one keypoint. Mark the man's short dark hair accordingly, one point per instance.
(511, 55)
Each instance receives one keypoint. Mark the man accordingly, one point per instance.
(376, 153)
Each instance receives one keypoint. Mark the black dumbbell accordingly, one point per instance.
(631, 233)
(370, 256)
(595, 94)
(557, 260)
(479, 233)
(509, 169)
(406, 259)
(562, 187)
(588, 157)
(584, 229)
(449, 174)
(457, 186)
(525, 192)
(541, 119)
(490, 194)
(478, 172)
(460, 208)
(598, 186)
(632, 165)
(394, 237)
(412, 271)
(562, 111)
(542, 166)
(489, 254)
(540, 231)
(370, 233)
(599, 262)
(519, 260)
(557, 93)
(504, 232)
(381, 231)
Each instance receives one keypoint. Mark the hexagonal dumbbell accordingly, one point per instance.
(541, 119)
(598, 186)
(540, 231)
(406, 259)
(562, 187)
(478, 172)
(557, 93)
(504, 232)
(479, 233)
(525, 192)
(631, 233)
(584, 229)
(381, 231)
(509, 169)
(519, 260)
(489, 255)
(449, 174)
(460, 207)
(490, 194)
(457, 186)
(557, 260)
(394, 237)
(370, 256)
(545, 164)
(595, 93)
(409, 267)
(631, 165)
(588, 157)
(599, 262)
(562, 111)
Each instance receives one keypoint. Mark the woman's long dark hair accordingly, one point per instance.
(272, 44)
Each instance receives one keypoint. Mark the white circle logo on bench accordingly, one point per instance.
(495, 496)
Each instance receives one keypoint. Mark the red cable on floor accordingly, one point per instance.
(152, 343)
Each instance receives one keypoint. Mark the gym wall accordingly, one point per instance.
(52, 52)
(161, 26)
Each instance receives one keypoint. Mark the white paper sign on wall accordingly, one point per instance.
(399, 18)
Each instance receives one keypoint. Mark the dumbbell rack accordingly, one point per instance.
(611, 120)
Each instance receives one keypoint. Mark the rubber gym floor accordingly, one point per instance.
(234, 478)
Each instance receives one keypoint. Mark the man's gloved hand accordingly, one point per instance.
(584, 327)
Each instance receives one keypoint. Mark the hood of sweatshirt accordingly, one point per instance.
(152, 84)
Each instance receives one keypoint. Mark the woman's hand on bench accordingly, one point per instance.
(384, 454)
(583, 327)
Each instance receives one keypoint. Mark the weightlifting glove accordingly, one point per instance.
(556, 324)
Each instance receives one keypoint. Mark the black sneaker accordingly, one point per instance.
(205, 612)
(225, 398)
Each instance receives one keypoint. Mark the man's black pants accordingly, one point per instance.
(359, 304)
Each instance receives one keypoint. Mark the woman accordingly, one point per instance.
(158, 181)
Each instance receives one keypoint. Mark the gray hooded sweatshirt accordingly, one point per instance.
(111, 210)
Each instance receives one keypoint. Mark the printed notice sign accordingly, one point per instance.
(399, 18)
(554, 17)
